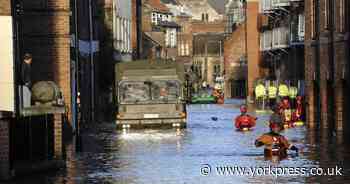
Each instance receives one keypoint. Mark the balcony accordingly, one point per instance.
(265, 6)
(266, 41)
(280, 37)
(280, 3)
(297, 29)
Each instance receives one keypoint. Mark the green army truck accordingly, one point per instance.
(150, 94)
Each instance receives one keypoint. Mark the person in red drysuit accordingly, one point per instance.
(298, 114)
(286, 112)
(244, 121)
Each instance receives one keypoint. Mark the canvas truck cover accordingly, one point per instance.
(144, 70)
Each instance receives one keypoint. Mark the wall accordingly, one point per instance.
(234, 49)
(50, 47)
(252, 44)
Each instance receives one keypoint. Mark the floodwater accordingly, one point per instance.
(178, 156)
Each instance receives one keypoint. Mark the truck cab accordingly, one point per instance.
(150, 94)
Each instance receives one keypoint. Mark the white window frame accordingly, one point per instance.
(301, 27)
(326, 13)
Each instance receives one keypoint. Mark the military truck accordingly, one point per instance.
(150, 94)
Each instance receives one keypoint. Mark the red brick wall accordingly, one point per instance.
(207, 27)
(5, 7)
(340, 57)
(46, 36)
(4, 149)
(252, 44)
(234, 48)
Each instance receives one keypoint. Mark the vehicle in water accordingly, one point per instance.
(203, 97)
(150, 94)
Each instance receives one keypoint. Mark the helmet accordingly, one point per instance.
(243, 108)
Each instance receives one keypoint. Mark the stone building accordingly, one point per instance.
(205, 10)
(327, 64)
(208, 56)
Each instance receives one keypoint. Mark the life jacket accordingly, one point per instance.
(260, 91)
(272, 92)
(293, 92)
(283, 90)
(244, 121)
(276, 148)
(287, 115)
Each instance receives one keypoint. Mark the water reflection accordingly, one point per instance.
(176, 156)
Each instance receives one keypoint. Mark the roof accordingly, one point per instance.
(150, 69)
(157, 37)
(218, 5)
(174, 2)
(157, 5)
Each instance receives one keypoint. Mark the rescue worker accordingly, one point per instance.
(272, 93)
(298, 114)
(244, 121)
(275, 143)
(293, 92)
(220, 99)
(283, 91)
(276, 116)
(286, 112)
(260, 94)
(163, 93)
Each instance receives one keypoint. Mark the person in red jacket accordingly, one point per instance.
(286, 112)
(298, 114)
(244, 121)
(275, 143)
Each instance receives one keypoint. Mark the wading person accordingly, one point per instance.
(244, 121)
(275, 143)
(276, 116)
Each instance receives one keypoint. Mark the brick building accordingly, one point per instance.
(159, 31)
(282, 30)
(252, 45)
(235, 63)
(50, 49)
(327, 64)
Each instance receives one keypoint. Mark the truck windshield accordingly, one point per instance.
(155, 91)
(133, 92)
(165, 90)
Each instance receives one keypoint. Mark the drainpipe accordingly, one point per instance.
(76, 69)
(92, 64)
(317, 62)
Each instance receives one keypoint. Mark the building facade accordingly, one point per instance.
(327, 64)
(204, 10)
(159, 31)
(282, 30)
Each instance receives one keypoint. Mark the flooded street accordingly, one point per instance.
(176, 156)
